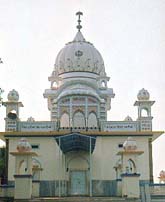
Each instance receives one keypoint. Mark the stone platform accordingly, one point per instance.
(79, 199)
(83, 199)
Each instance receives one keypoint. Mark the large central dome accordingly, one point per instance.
(79, 55)
(79, 93)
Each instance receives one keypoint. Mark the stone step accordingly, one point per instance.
(74, 199)
(86, 199)
(82, 199)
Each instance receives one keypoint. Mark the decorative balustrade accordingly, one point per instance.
(157, 189)
(37, 126)
(77, 129)
(52, 126)
(119, 126)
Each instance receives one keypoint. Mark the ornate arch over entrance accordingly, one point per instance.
(80, 178)
(78, 172)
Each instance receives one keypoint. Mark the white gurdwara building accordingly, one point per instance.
(80, 152)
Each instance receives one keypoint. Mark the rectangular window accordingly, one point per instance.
(35, 146)
(120, 145)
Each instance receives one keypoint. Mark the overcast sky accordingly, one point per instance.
(129, 34)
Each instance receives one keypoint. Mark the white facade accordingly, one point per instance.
(77, 149)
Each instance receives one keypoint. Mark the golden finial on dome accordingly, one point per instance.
(79, 13)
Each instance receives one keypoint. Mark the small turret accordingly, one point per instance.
(144, 110)
(12, 110)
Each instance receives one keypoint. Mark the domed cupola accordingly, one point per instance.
(143, 94)
(79, 55)
(80, 60)
(79, 95)
(13, 95)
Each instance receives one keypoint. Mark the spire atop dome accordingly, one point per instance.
(79, 13)
(79, 56)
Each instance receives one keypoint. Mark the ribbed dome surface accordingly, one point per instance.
(143, 94)
(79, 56)
(13, 96)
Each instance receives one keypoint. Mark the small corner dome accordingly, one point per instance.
(23, 145)
(162, 174)
(128, 118)
(143, 95)
(13, 96)
(79, 55)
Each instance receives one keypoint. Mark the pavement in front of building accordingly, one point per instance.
(81, 199)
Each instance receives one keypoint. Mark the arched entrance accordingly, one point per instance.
(78, 149)
(78, 183)
(78, 173)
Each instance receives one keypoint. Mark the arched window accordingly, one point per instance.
(131, 168)
(103, 84)
(64, 121)
(36, 169)
(22, 168)
(12, 114)
(92, 120)
(144, 112)
(54, 85)
(78, 119)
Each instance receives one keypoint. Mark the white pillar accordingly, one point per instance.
(59, 182)
(90, 170)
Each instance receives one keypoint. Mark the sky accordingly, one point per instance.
(129, 34)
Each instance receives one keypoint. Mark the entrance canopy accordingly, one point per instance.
(76, 142)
